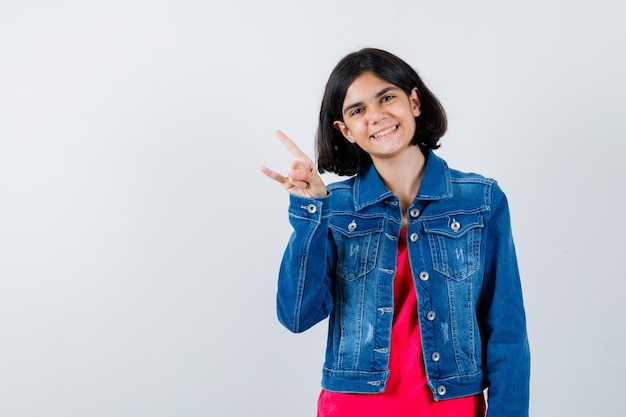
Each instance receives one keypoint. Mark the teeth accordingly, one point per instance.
(384, 132)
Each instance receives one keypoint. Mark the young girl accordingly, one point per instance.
(413, 262)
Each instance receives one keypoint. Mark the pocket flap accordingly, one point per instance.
(352, 226)
(453, 226)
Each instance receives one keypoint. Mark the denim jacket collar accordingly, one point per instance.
(436, 184)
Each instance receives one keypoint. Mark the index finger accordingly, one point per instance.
(292, 147)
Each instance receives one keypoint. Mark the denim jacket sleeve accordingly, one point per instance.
(507, 353)
(304, 295)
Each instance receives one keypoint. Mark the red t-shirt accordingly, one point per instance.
(406, 393)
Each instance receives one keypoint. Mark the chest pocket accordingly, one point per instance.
(455, 244)
(357, 241)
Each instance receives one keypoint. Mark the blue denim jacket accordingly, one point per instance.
(340, 263)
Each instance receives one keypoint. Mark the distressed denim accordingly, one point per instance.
(340, 263)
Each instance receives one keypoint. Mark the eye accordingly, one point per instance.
(386, 98)
(356, 111)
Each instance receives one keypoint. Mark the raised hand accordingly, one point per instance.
(303, 179)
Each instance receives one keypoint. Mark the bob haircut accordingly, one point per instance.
(336, 154)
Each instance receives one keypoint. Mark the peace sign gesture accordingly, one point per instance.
(303, 179)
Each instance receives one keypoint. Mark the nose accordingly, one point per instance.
(377, 113)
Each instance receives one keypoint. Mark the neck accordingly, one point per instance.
(403, 175)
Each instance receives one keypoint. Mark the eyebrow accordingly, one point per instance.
(360, 103)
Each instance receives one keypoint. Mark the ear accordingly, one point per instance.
(343, 129)
(414, 98)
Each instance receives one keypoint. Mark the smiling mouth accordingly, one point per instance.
(384, 132)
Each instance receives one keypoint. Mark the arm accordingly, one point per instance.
(304, 286)
(506, 349)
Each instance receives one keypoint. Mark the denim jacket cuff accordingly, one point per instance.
(309, 208)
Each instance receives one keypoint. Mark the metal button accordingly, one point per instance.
(414, 212)
(352, 226)
(441, 390)
(455, 226)
(424, 276)
(430, 316)
(414, 237)
(435, 356)
(384, 310)
(311, 208)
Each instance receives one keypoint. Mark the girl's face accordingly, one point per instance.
(378, 116)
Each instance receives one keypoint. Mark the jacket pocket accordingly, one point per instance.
(455, 244)
(357, 241)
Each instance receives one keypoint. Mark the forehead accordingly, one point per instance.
(366, 86)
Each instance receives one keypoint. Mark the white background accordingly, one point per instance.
(139, 243)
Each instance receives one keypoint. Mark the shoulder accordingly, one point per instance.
(461, 177)
(342, 184)
(341, 194)
(474, 188)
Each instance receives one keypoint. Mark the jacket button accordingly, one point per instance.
(435, 356)
(424, 276)
(352, 226)
(455, 226)
(430, 316)
(414, 237)
(311, 208)
(441, 390)
(414, 212)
